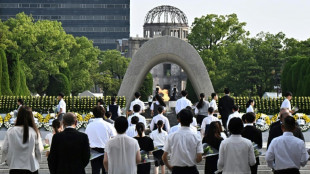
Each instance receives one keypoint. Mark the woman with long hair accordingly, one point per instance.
(23, 141)
(158, 102)
(250, 106)
(201, 109)
(159, 137)
(146, 144)
(213, 138)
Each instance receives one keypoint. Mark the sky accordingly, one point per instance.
(291, 17)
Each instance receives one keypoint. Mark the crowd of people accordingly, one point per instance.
(116, 144)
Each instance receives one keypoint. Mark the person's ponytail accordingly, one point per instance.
(200, 104)
(249, 103)
(159, 125)
(140, 129)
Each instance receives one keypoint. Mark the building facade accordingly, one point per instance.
(103, 21)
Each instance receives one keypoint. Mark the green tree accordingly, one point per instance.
(147, 87)
(5, 81)
(24, 91)
(58, 83)
(14, 72)
(192, 96)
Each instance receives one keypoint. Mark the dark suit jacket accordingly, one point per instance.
(255, 135)
(69, 152)
(276, 131)
(226, 104)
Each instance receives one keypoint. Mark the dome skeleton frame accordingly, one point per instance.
(176, 15)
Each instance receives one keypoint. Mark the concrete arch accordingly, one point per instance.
(165, 49)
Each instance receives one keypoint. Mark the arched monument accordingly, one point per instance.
(165, 49)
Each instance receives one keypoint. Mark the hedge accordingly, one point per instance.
(46, 104)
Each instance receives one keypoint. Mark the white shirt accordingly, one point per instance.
(141, 119)
(194, 123)
(205, 121)
(150, 98)
(213, 105)
(250, 109)
(181, 104)
(19, 155)
(236, 155)
(119, 113)
(49, 137)
(286, 152)
(159, 139)
(122, 151)
(175, 128)
(137, 102)
(61, 105)
(131, 131)
(233, 115)
(152, 106)
(286, 104)
(99, 132)
(183, 145)
(157, 118)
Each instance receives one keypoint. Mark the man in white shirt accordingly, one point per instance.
(61, 107)
(236, 154)
(137, 101)
(207, 121)
(184, 146)
(122, 153)
(136, 109)
(295, 154)
(235, 113)
(161, 117)
(286, 103)
(131, 131)
(99, 133)
(213, 102)
(182, 102)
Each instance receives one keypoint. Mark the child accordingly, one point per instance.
(159, 137)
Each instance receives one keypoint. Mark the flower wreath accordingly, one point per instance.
(303, 120)
(10, 123)
(40, 119)
(275, 118)
(262, 122)
(50, 117)
(87, 118)
(7, 119)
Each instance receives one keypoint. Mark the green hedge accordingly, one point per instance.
(271, 106)
(45, 104)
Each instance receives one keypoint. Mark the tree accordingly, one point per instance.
(58, 83)
(107, 83)
(24, 91)
(147, 87)
(5, 81)
(14, 72)
(192, 96)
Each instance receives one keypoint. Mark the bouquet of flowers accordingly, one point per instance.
(257, 151)
(262, 122)
(209, 150)
(144, 156)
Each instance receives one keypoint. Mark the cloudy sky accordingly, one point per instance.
(289, 16)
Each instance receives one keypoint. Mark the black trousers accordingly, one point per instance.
(97, 163)
(185, 170)
(287, 171)
(19, 171)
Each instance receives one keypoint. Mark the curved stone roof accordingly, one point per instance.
(165, 14)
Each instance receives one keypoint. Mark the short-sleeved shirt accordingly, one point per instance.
(159, 139)
(137, 102)
(213, 105)
(131, 131)
(162, 118)
(207, 120)
(122, 151)
(250, 109)
(181, 104)
(49, 137)
(62, 105)
(145, 143)
(286, 104)
(183, 145)
(141, 119)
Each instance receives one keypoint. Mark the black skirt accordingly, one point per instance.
(211, 164)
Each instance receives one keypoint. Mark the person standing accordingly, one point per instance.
(20, 103)
(114, 109)
(286, 154)
(146, 144)
(236, 147)
(182, 102)
(161, 117)
(201, 109)
(122, 153)
(286, 102)
(213, 138)
(99, 132)
(101, 103)
(150, 100)
(158, 102)
(136, 110)
(61, 107)
(207, 121)
(22, 146)
(235, 113)
(250, 106)
(250, 132)
(159, 137)
(184, 146)
(225, 107)
(213, 102)
(70, 151)
(137, 101)
(56, 125)
(131, 131)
